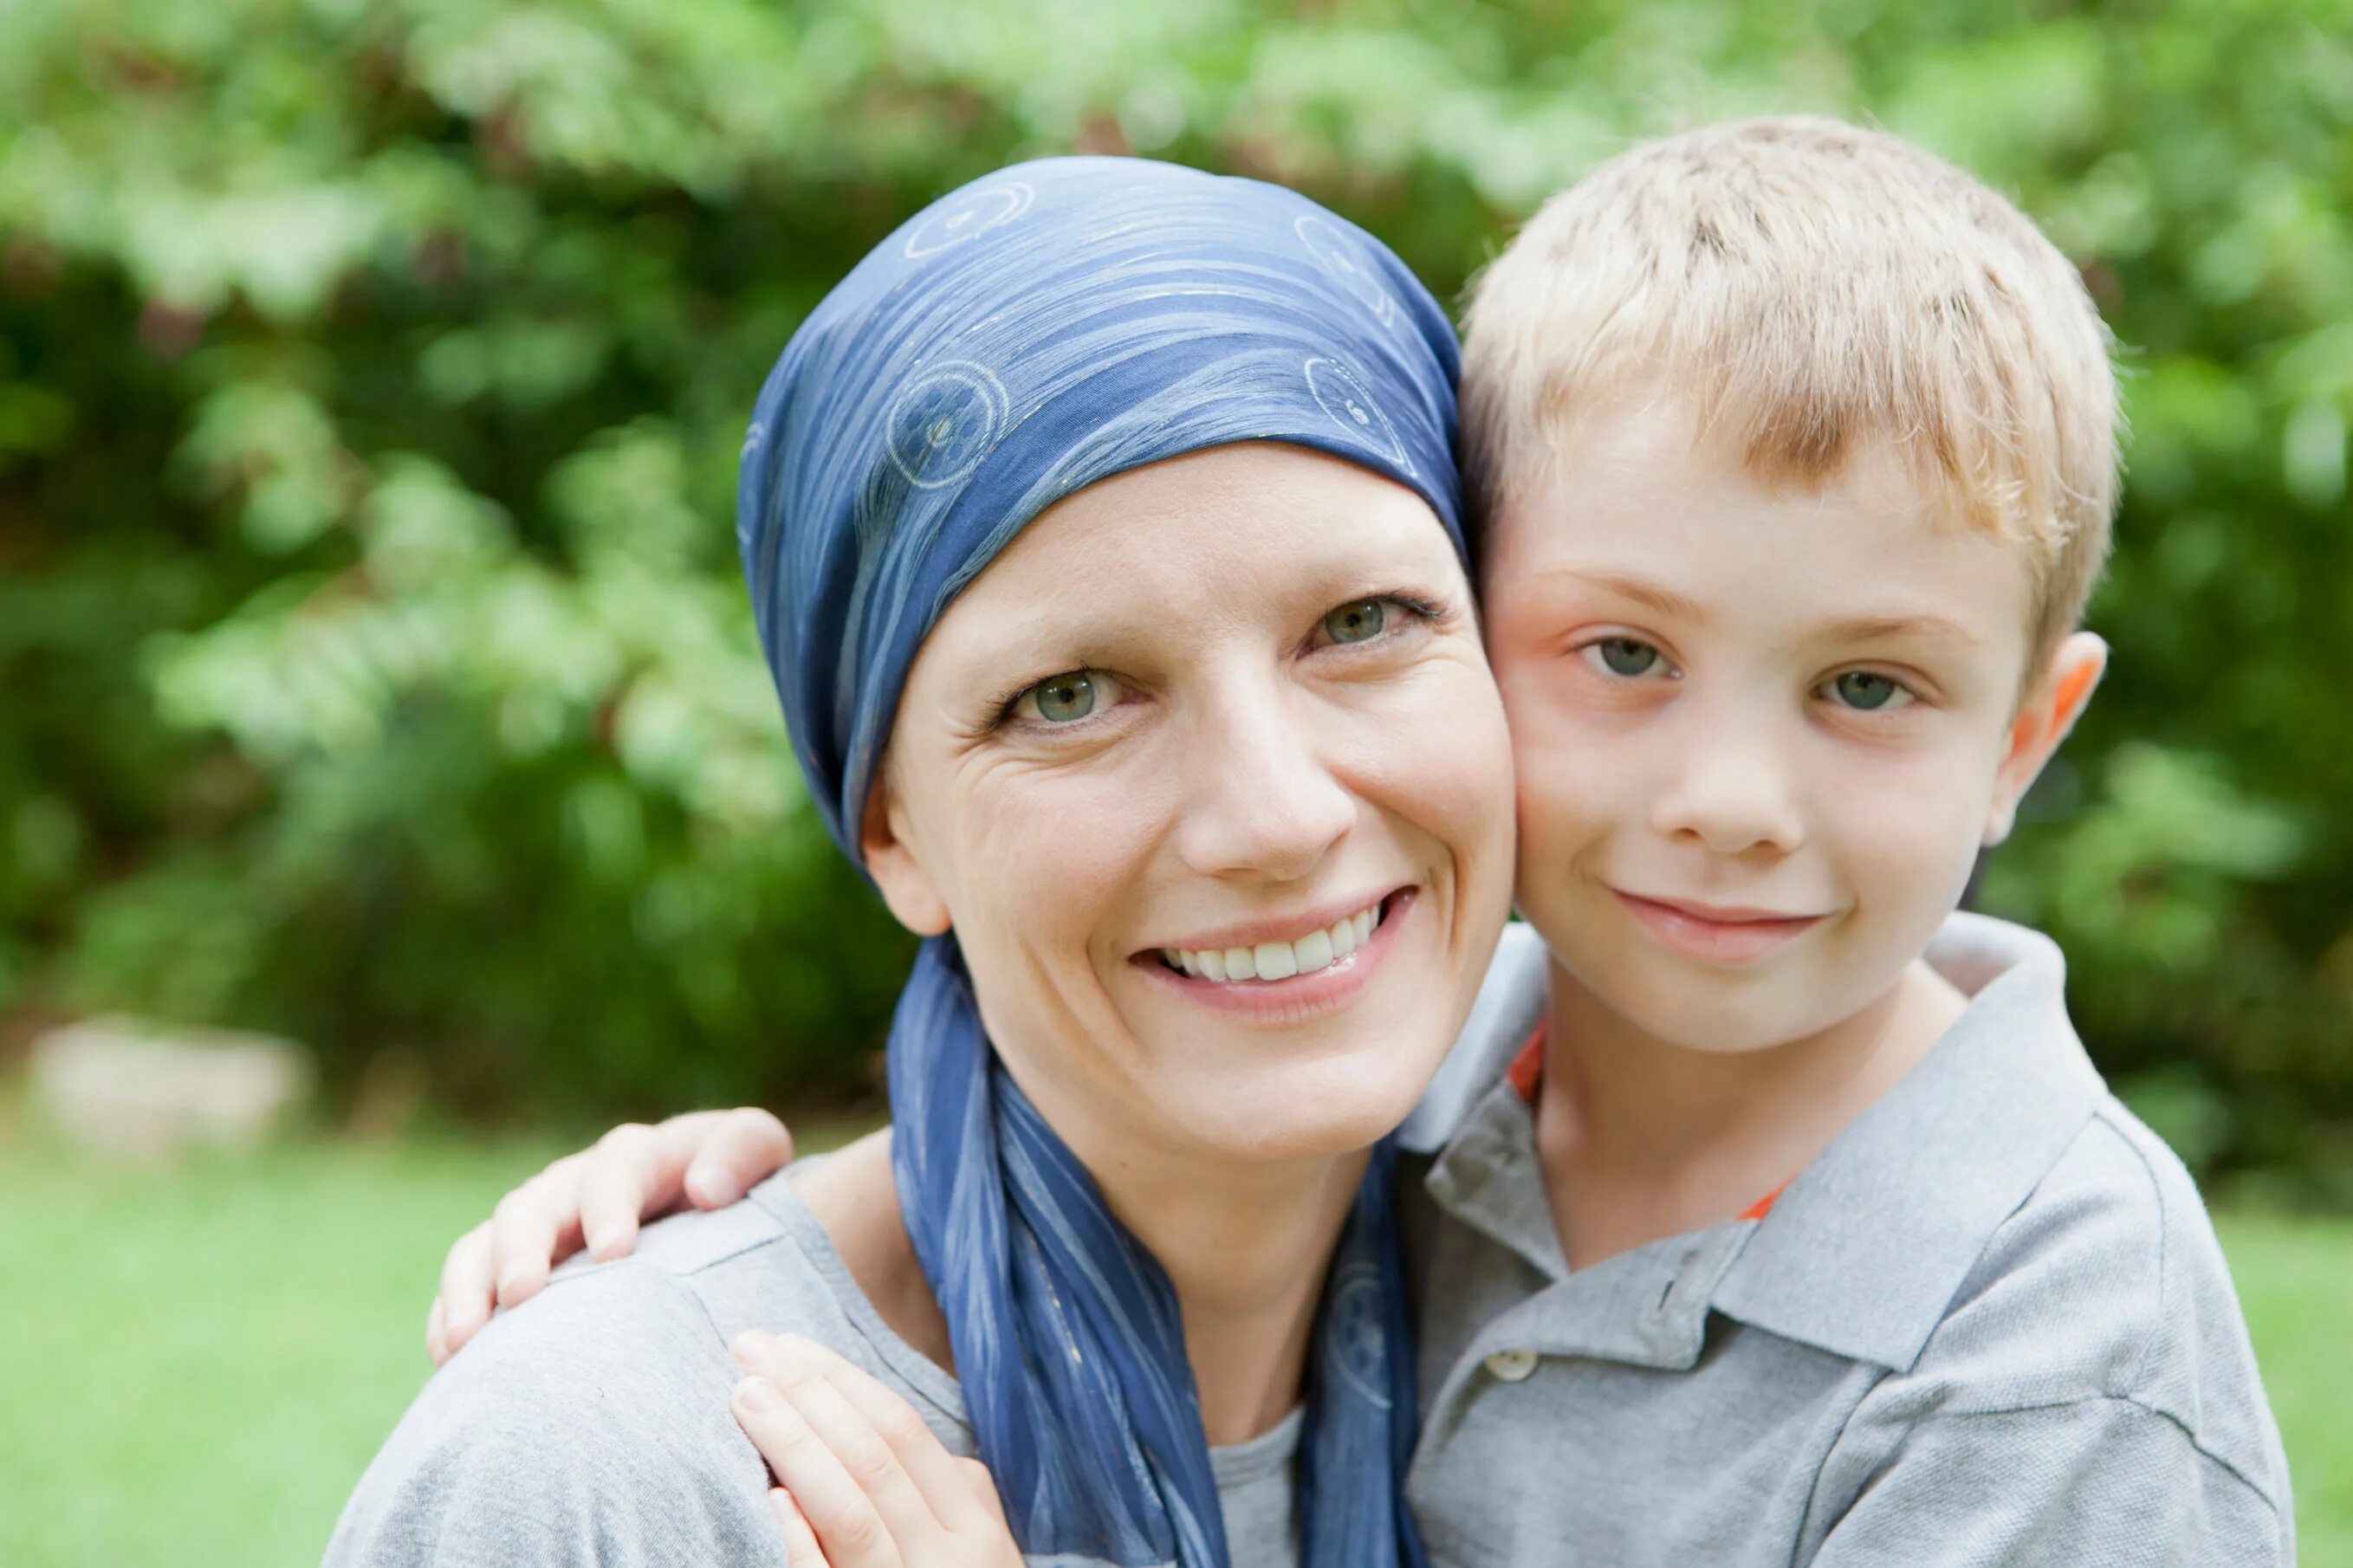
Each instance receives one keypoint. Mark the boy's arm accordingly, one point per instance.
(706, 1158)
(2082, 1481)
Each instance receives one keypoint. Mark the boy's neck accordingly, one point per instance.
(1641, 1138)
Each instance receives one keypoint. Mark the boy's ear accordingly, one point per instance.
(2050, 711)
(890, 860)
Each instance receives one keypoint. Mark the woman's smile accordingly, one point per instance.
(1279, 980)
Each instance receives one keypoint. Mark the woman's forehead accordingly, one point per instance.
(1257, 522)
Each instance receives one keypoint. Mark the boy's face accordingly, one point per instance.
(1761, 734)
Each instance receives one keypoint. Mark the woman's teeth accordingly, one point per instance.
(1278, 960)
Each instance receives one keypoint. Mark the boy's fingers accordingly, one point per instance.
(939, 1481)
(618, 1183)
(637, 1173)
(436, 1343)
(465, 1286)
(845, 1520)
(735, 1153)
(801, 1550)
(524, 1233)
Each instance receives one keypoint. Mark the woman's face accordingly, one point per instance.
(1209, 776)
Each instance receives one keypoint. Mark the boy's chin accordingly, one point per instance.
(1723, 1020)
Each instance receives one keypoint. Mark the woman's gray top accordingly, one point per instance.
(591, 1425)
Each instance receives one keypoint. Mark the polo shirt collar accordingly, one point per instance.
(1644, 1308)
(1863, 1252)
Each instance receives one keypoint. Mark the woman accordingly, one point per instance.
(1106, 544)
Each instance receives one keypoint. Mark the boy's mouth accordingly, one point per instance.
(1716, 933)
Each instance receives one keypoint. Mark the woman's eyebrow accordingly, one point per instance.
(1024, 635)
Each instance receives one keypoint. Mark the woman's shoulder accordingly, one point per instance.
(854, 1197)
(855, 1276)
(598, 1409)
(816, 1250)
(596, 1412)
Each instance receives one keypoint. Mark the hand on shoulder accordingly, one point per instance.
(597, 1198)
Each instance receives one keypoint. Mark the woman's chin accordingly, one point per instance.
(1322, 1112)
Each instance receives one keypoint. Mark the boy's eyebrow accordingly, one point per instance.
(1665, 601)
(1881, 628)
(1643, 592)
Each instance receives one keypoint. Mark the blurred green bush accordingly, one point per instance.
(371, 378)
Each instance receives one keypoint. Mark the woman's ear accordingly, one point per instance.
(890, 860)
(2050, 711)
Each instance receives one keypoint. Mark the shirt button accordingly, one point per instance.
(1511, 1367)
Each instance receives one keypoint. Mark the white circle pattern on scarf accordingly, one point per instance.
(1342, 394)
(968, 216)
(1329, 245)
(1355, 1342)
(944, 424)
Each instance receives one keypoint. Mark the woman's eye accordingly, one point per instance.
(1623, 655)
(1867, 693)
(1064, 698)
(1360, 622)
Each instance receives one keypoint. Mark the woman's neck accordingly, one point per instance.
(1242, 1243)
(1246, 1251)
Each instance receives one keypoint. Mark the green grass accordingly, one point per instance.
(199, 1362)
(2295, 1281)
(196, 1364)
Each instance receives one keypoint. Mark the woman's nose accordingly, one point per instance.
(1263, 799)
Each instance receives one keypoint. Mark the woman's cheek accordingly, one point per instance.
(1055, 833)
(1458, 745)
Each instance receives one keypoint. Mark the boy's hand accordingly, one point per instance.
(706, 1158)
(863, 1482)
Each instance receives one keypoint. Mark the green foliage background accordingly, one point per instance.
(372, 664)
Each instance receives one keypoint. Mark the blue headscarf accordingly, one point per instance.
(1048, 326)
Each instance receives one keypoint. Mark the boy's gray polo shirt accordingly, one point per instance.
(1989, 1324)
(591, 1424)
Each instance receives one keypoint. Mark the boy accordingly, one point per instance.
(1802, 1230)
(1771, 1212)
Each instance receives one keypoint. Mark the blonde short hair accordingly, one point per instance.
(1812, 286)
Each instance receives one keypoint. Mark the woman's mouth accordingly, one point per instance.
(1278, 960)
(1287, 979)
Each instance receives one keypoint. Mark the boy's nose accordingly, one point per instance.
(1734, 795)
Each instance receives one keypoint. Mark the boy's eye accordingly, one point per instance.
(1360, 622)
(1867, 693)
(1623, 655)
(1066, 698)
